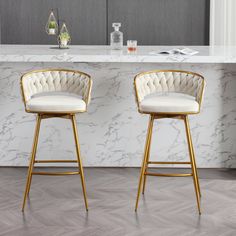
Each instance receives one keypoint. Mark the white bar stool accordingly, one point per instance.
(169, 94)
(55, 93)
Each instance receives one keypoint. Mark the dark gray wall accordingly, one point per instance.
(23, 21)
(163, 22)
(151, 22)
(0, 28)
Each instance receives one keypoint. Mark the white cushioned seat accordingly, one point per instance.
(169, 103)
(169, 91)
(56, 102)
(56, 91)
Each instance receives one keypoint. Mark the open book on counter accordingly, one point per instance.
(174, 51)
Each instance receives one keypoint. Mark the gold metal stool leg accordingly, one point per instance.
(146, 164)
(195, 166)
(30, 169)
(79, 160)
(190, 147)
(147, 146)
(35, 150)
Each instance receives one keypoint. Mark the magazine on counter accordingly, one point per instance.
(174, 51)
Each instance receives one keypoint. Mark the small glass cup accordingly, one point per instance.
(132, 45)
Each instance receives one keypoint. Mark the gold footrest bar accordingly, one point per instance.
(55, 161)
(168, 175)
(56, 173)
(169, 163)
(179, 117)
(47, 116)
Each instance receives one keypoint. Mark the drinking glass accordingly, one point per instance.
(131, 45)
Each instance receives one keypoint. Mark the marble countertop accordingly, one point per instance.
(144, 54)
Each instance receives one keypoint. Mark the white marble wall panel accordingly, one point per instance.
(112, 133)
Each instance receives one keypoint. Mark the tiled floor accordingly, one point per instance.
(56, 205)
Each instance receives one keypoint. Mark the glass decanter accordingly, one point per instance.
(116, 37)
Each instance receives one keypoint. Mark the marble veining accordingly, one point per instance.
(112, 133)
(48, 53)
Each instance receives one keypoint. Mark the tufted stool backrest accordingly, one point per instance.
(164, 81)
(55, 80)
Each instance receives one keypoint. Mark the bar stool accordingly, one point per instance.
(55, 93)
(168, 94)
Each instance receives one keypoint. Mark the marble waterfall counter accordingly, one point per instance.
(112, 133)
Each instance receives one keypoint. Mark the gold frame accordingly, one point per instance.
(47, 115)
(179, 115)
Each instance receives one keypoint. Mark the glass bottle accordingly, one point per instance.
(116, 37)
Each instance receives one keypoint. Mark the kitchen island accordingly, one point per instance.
(112, 133)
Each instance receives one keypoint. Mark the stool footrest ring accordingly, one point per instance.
(56, 173)
(168, 175)
(169, 163)
(54, 161)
